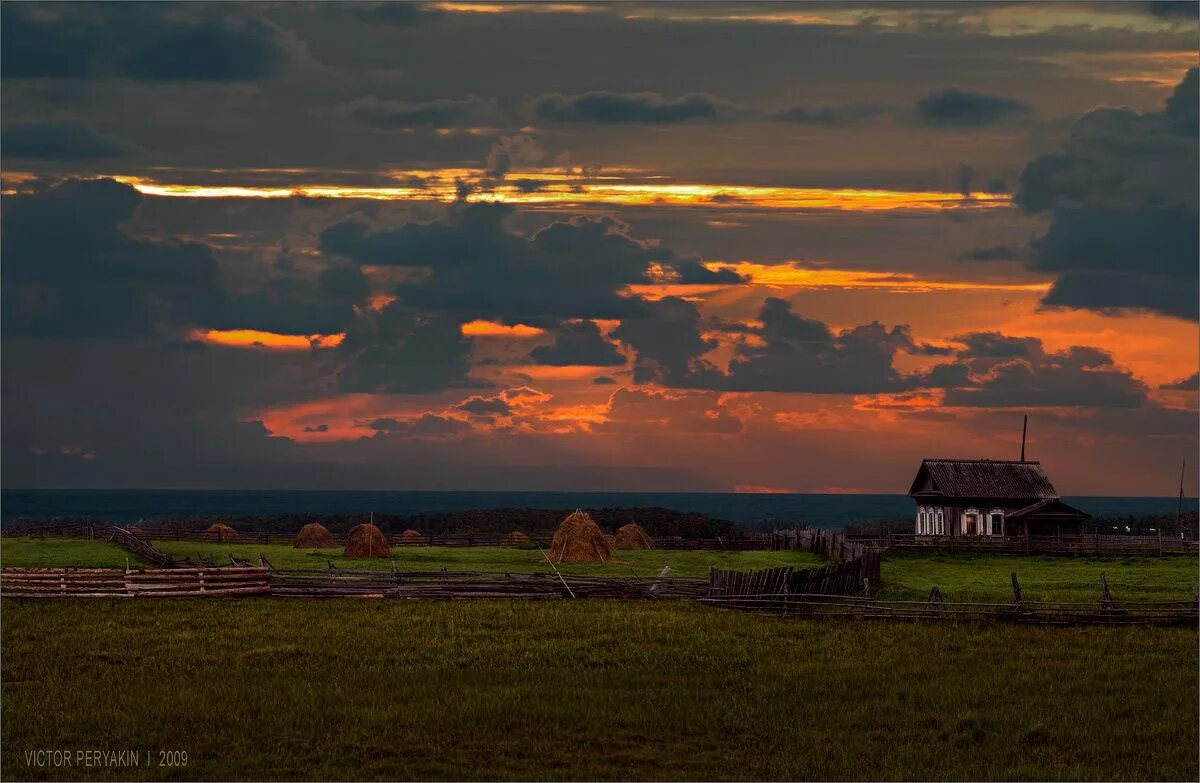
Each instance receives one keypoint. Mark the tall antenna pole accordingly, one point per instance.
(1024, 427)
(1179, 510)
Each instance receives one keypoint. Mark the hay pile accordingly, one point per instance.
(516, 538)
(579, 540)
(136, 531)
(314, 536)
(632, 536)
(220, 532)
(413, 538)
(366, 541)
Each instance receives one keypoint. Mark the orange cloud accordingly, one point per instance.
(480, 328)
(252, 338)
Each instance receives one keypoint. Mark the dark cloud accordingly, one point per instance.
(427, 425)
(397, 14)
(831, 116)
(58, 141)
(996, 253)
(137, 41)
(667, 341)
(1174, 9)
(1015, 372)
(318, 428)
(477, 267)
(399, 351)
(485, 406)
(640, 107)
(954, 108)
(439, 113)
(578, 343)
(1190, 383)
(211, 51)
(1122, 198)
(802, 355)
(70, 270)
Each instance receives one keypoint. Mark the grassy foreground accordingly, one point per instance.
(344, 689)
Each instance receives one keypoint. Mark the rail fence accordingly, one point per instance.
(1083, 544)
(1048, 612)
(115, 583)
(237, 580)
(834, 591)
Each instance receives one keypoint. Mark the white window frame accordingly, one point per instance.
(996, 512)
(921, 520)
(979, 521)
(939, 526)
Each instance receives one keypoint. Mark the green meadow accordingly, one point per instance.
(347, 689)
(958, 576)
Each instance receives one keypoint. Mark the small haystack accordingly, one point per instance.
(412, 537)
(136, 532)
(220, 532)
(366, 541)
(632, 536)
(516, 538)
(314, 536)
(579, 540)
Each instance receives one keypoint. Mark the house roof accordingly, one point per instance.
(1049, 507)
(983, 478)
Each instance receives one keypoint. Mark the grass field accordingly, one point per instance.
(50, 551)
(344, 689)
(959, 576)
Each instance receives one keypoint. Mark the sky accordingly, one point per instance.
(574, 246)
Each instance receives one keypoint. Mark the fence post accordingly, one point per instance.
(1016, 589)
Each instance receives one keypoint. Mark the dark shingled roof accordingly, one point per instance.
(983, 478)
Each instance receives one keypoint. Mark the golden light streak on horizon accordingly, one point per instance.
(791, 275)
(253, 338)
(562, 191)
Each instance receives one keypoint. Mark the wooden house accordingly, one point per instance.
(981, 497)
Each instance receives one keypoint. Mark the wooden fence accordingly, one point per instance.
(1084, 544)
(853, 576)
(1048, 612)
(332, 582)
(115, 583)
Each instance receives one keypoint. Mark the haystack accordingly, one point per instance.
(579, 540)
(314, 536)
(366, 541)
(136, 531)
(516, 538)
(220, 532)
(632, 536)
(412, 537)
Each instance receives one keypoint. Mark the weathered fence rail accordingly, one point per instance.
(321, 583)
(115, 583)
(1047, 612)
(1087, 544)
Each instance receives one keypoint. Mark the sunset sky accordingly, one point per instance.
(560, 246)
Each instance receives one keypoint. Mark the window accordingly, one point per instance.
(996, 522)
(939, 526)
(920, 521)
(970, 522)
